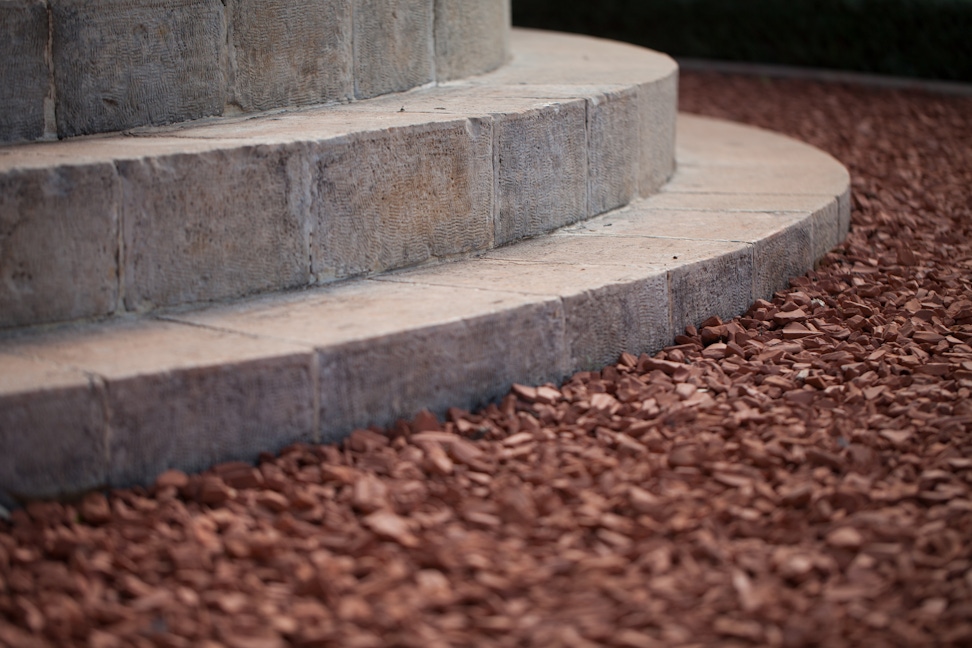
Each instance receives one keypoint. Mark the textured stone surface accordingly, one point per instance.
(213, 225)
(58, 243)
(542, 170)
(419, 370)
(398, 197)
(393, 45)
(290, 53)
(52, 430)
(614, 150)
(784, 254)
(470, 37)
(185, 397)
(658, 112)
(720, 285)
(125, 63)
(25, 78)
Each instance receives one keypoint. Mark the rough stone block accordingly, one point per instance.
(470, 37)
(614, 150)
(52, 430)
(787, 253)
(719, 285)
(25, 78)
(542, 170)
(58, 243)
(125, 63)
(213, 225)
(464, 363)
(825, 225)
(397, 197)
(393, 45)
(290, 53)
(659, 112)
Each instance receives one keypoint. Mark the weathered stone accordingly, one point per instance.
(25, 77)
(52, 430)
(614, 150)
(393, 45)
(721, 284)
(787, 253)
(397, 197)
(213, 224)
(291, 53)
(470, 37)
(58, 243)
(658, 112)
(125, 63)
(542, 170)
(420, 371)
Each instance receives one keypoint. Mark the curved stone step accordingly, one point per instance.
(223, 208)
(118, 402)
(72, 67)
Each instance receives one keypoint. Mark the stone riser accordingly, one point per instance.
(116, 403)
(219, 209)
(71, 67)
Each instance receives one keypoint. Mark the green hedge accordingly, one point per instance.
(916, 38)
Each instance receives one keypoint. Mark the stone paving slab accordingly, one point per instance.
(124, 400)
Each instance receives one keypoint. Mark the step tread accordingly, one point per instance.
(189, 388)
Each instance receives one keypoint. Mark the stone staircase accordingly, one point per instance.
(407, 205)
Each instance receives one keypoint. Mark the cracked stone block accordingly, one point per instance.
(125, 63)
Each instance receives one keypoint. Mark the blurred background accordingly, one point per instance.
(930, 39)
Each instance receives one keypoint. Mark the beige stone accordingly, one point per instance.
(288, 53)
(399, 197)
(542, 170)
(52, 430)
(393, 45)
(24, 73)
(658, 112)
(58, 243)
(719, 284)
(784, 254)
(470, 37)
(124, 63)
(213, 225)
(186, 397)
(614, 150)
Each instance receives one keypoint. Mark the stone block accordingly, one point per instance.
(470, 37)
(58, 243)
(187, 397)
(463, 363)
(125, 63)
(288, 53)
(659, 112)
(25, 77)
(398, 197)
(826, 232)
(614, 150)
(787, 253)
(721, 284)
(213, 224)
(393, 45)
(542, 170)
(52, 430)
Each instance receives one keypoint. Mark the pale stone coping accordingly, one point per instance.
(116, 403)
(226, 207)
(74, 67)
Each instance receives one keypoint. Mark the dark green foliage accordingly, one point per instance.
(920, 38)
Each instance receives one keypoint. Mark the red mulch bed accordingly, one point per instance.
(798, 476)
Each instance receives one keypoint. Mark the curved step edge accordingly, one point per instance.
(117, 403)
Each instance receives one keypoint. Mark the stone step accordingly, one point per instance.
(222, 208)
(115, 403)
(72, 67)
